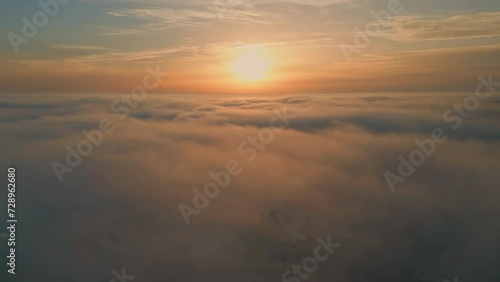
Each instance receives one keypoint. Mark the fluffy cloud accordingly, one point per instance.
(120, 207)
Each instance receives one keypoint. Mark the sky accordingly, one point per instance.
(316, 46)
(398, 167)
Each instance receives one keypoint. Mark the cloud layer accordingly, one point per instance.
(120, 207)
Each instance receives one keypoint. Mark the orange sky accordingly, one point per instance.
(315, 47)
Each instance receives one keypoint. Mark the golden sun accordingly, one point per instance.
(252, 64)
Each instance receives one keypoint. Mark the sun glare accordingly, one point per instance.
(251, 64)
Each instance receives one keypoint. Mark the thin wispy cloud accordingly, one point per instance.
(473, 25)
(189, 18)
(78, 47)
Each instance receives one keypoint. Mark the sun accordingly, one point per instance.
(251, 64)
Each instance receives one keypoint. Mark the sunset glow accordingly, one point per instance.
(251, 64)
